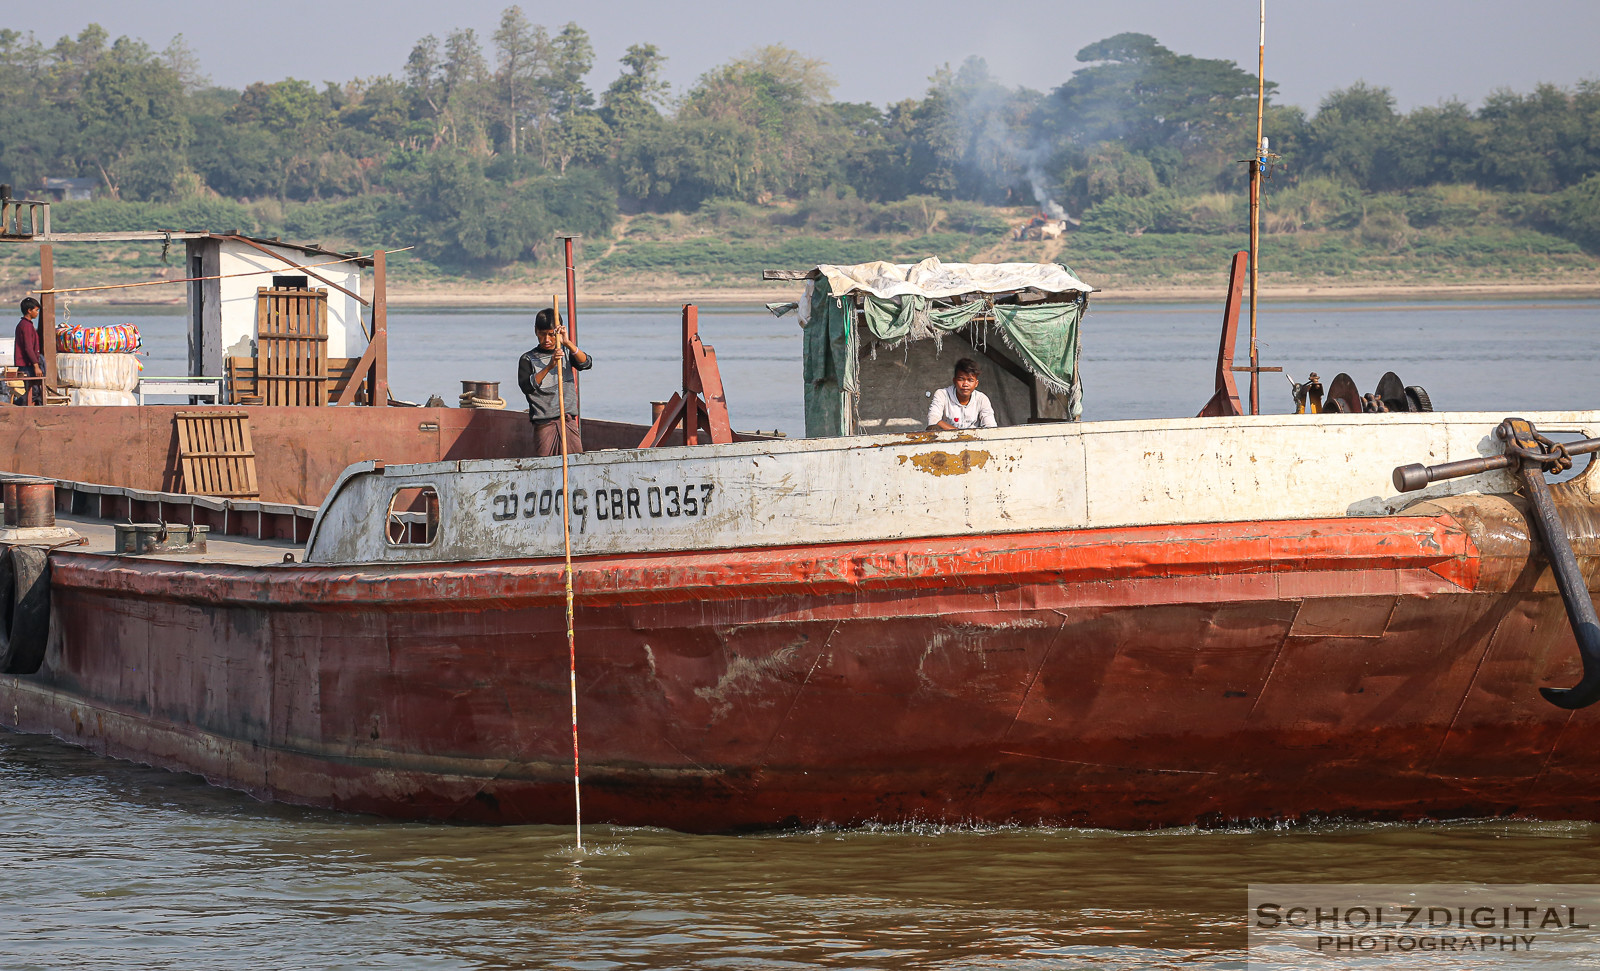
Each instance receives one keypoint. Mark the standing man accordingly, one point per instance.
(537, 379)
(26, 353)
(961, 405)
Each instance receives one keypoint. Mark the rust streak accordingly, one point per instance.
(822, 652)
(1108, 765)
(947, 463)
(923, 438)
(1034, 677)
(1533, 785)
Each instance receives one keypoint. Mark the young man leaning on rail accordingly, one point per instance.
(536, 378)
(961, 405)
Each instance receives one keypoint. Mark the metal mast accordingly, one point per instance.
(1257, 165)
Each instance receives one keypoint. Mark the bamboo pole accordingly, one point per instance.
(379, 387)
(566, 536)
(47, 318)
(1255, 213)
(46, 289)
(299, 266)
(572, 328)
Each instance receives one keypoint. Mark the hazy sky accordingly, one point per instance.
(882, 52)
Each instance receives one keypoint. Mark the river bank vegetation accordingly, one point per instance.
(478, 150)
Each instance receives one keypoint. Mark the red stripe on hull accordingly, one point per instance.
(1287, 549)
(1121, 678)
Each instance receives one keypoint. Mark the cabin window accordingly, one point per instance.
(291, 283)
(413, 517)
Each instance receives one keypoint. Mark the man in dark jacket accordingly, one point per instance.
(536, 376)
(26, 353)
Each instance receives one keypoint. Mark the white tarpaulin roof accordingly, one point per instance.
(931, 278)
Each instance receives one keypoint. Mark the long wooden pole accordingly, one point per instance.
(45, 290)
(380, 329)
(566, 536)
(47, 314)
(572, 327)
(1255, 213)
(300, 266)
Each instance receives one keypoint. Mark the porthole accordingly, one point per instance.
(413, 517)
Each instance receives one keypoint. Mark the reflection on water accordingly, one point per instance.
(109, 865)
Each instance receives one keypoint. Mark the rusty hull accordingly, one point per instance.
(1137, 677)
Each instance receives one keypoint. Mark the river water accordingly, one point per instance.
(1151, 360)
(108, 864)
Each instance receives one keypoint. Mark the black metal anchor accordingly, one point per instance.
(1530, 455)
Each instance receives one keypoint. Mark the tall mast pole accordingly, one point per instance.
(566, 539)
(572, 321)
(1255, 212)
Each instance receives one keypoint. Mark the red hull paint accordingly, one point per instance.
(1126, 678)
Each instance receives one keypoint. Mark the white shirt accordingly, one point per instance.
(945, 406)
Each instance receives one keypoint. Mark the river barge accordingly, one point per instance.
(1126, 624)
(1107, 632)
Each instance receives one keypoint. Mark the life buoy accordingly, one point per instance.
(24, 608)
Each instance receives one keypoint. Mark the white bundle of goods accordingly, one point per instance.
(100, 396)
(98, 372)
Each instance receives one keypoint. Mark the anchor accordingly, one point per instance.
(1529, 455)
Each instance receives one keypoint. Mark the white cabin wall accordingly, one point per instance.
(237, 327)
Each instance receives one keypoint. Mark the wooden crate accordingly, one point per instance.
(292, 346)
(242, 379)
(215, 455)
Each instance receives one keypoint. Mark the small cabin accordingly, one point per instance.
(880, 337)
(266, 315)
(269, 322)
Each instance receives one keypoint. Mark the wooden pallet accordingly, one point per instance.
(292, 346)
(215, 455)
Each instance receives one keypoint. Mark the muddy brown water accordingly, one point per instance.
(109, 864)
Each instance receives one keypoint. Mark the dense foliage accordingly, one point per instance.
(480, 149)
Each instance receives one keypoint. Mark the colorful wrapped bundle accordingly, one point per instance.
(109, 339)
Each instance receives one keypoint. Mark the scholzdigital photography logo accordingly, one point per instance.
(1423, 926)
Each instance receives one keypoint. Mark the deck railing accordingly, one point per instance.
(24, 217)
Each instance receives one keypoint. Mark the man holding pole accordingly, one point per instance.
(537, 378)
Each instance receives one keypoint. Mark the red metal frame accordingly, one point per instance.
(1225, 402)
(701, 403)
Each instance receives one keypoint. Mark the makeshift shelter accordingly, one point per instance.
(270, 322)
(879, 337)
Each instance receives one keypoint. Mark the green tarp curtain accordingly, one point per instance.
(830, 369)
(892, 318)
(1044, 336)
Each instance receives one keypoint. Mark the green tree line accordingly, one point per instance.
(478, 149)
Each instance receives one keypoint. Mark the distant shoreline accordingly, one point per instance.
(604, 294)
(776, 292)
